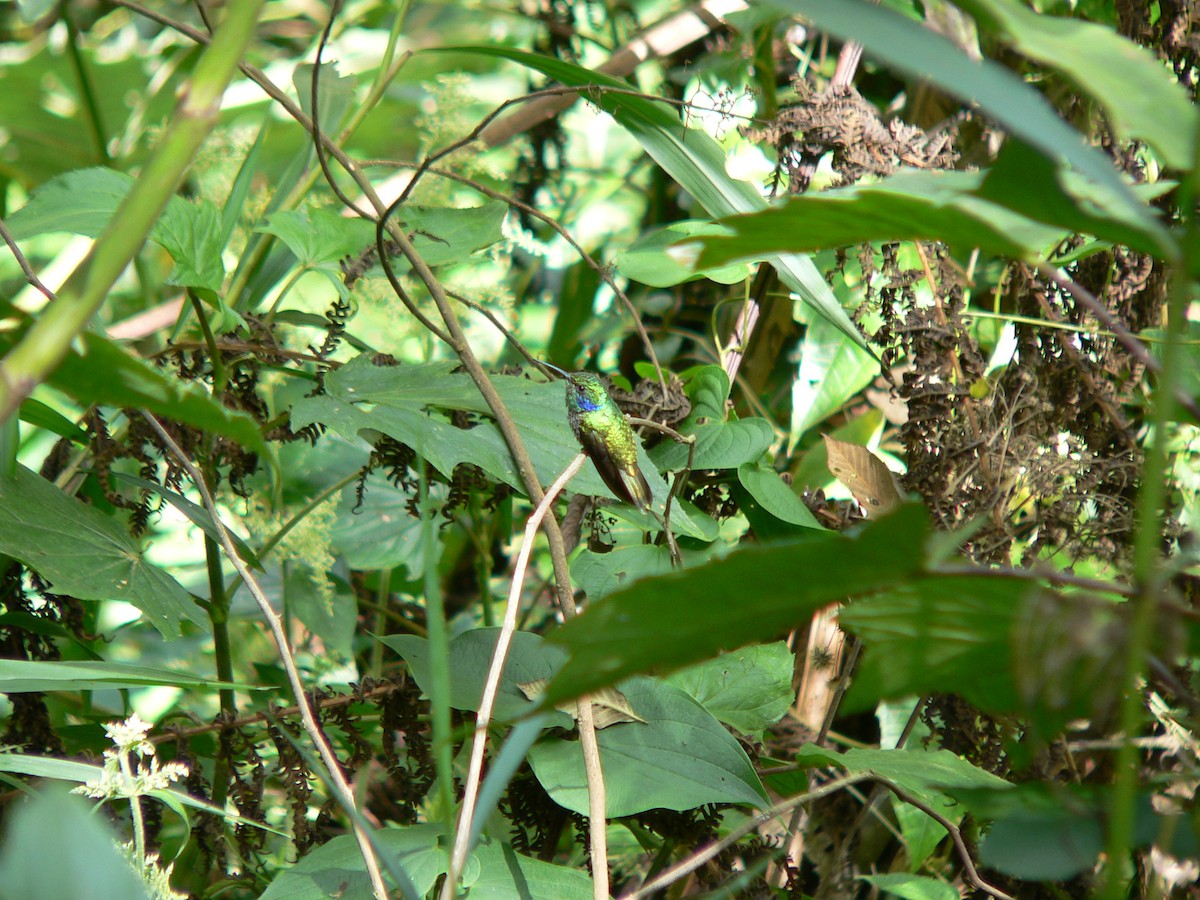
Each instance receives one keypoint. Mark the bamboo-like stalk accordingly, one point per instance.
(32, 360)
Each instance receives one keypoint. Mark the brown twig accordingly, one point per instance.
(27, 269)
(275, 623)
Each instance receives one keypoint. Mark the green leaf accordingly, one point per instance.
(754, 594)
(749, 689)
(775, 496)
(691, 158)
(505, 874)
(1052, 832)
(336, 868)
(926, 775)
(918, 52)
(39, 415)
(24, 675)
(833, 369)
(55, 848)
(910, 205)
(42, 139)
(195, 242)
(382, 533)
(599, 574)
(1025, 181)
(332, 616)
(681, 757)
(647, 260)
(83, 553)
(320, 237)
(83, 202)
(921, 832)
(912, 887)
(708, 389)
(934, 635)
(449, 235)
(720, 444)
(530, 658)
(103, 373)
(410, 404)
(1139, 95)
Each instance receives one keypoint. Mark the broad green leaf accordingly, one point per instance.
(381, 532)
(529, 659)
(101, 372)
(449, 235)
(505, 874)
(84, 553)
(55, 848)
(754, 594)
(1052, 832)
(749, 689)
(320, 237)
(42, 139)
(25, 675)
(574, 310)
(912, 887)
(832, 371)
(921, 832)
(647, 260)
(327, 611)
(195, 242)
(83, 202)
(681, 757)
(776, 497)
(691, 158)
(1027, 182)
(926, 775)
(910, 205)
(918, 52)
(599, 574)
(934, 635)
(411, 404)
(720, 443)
(708, 389)
(335, 93)
(1141, 98)
(336, 868)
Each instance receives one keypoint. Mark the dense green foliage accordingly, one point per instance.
(907, 344)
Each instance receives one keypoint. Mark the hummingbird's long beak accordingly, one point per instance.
(554, 368)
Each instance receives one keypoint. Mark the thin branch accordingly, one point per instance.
(562, 231)
(659, 40)
(27, 269)
(960, 845)
(491, 687)
(704, 854)
(275, 623)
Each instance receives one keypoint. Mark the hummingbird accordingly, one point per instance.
(605, 436)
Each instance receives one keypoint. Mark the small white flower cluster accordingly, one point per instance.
(119, 777)
(155, 875)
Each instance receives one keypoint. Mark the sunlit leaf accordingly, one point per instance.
(84, 553)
